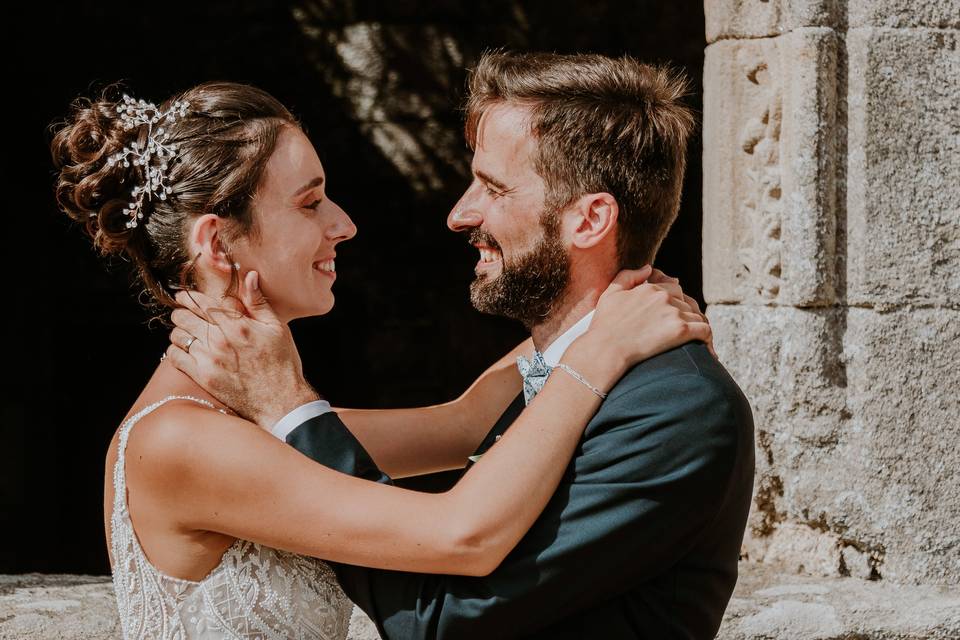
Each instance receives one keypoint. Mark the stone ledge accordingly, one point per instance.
(768, 604)
(57, 607)
(37, 606)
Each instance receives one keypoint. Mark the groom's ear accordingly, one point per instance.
(206, 240)
(594, 219)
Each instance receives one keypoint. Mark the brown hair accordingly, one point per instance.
(223, 145)
(602, 124)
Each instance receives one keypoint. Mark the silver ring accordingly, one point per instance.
(189, 343)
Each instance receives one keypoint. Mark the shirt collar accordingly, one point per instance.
(553, 353)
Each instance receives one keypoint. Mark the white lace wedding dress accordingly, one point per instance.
(255, 593)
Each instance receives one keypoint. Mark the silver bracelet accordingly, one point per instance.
(579, 378)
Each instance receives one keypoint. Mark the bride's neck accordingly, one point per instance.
(167, 380)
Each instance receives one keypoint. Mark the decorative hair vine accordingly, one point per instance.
(154, 156)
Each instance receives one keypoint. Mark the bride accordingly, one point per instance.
(215, 527)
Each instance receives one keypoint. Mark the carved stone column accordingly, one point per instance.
(832, 273)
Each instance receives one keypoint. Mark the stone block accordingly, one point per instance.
(743, 19)
(765, 18)
(769, 169)
(899, 14)
(903, 175)
(903, 383)
(769, 603)
(788, 362)
(857, 416)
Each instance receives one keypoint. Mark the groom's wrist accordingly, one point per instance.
(283, 404)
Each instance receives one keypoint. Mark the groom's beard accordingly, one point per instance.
(529, 285)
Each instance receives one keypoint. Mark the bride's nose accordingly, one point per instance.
(342, 227)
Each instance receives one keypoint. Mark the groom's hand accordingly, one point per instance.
(240, 352)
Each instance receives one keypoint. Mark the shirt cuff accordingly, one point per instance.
(298, 416)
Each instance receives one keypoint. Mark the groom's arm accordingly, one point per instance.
(421, 440)
(325, 439)
(645, 485)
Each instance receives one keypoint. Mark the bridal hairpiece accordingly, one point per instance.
(154, 156)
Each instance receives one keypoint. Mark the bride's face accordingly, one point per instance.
(298, 229)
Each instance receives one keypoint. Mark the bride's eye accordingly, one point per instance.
(313, 205)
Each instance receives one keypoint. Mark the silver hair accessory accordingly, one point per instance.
(154, 156)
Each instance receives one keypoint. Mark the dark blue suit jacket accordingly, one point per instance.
(641, 539)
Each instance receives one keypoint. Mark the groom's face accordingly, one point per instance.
(522, 268)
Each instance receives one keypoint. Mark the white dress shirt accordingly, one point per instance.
(553, 353)
(298, 416)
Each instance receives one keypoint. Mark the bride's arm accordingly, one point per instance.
(408, 442)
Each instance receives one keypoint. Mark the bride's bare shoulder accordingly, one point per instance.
(177, 442)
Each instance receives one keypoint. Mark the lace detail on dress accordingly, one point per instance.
(254, 593)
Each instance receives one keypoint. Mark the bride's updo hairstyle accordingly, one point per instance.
(223, 143)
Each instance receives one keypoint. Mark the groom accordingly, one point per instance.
(577, 172)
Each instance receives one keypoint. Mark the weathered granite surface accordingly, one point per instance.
(903, 176)
(831, 265)
(769, 604)
(857, 468)
(57, 607)
(65, 607)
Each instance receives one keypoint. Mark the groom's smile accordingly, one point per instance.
(490, 262)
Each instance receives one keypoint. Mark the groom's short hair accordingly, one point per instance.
(602, 124)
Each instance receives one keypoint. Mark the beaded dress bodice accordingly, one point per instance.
(255, 593)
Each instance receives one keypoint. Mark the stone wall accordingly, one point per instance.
(832, 274)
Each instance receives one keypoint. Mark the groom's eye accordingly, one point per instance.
(492, 192)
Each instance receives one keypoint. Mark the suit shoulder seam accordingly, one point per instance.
(692, 361)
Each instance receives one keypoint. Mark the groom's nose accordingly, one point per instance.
(462, 218)
(464, 215)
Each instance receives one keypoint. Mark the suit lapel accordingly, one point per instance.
(501, 426)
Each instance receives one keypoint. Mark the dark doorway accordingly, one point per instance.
(378, 85)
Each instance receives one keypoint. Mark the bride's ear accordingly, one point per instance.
(206, 241)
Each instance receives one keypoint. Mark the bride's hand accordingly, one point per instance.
(672, 285)
(636, 319)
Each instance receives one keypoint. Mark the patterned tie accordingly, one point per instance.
(535, 372)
